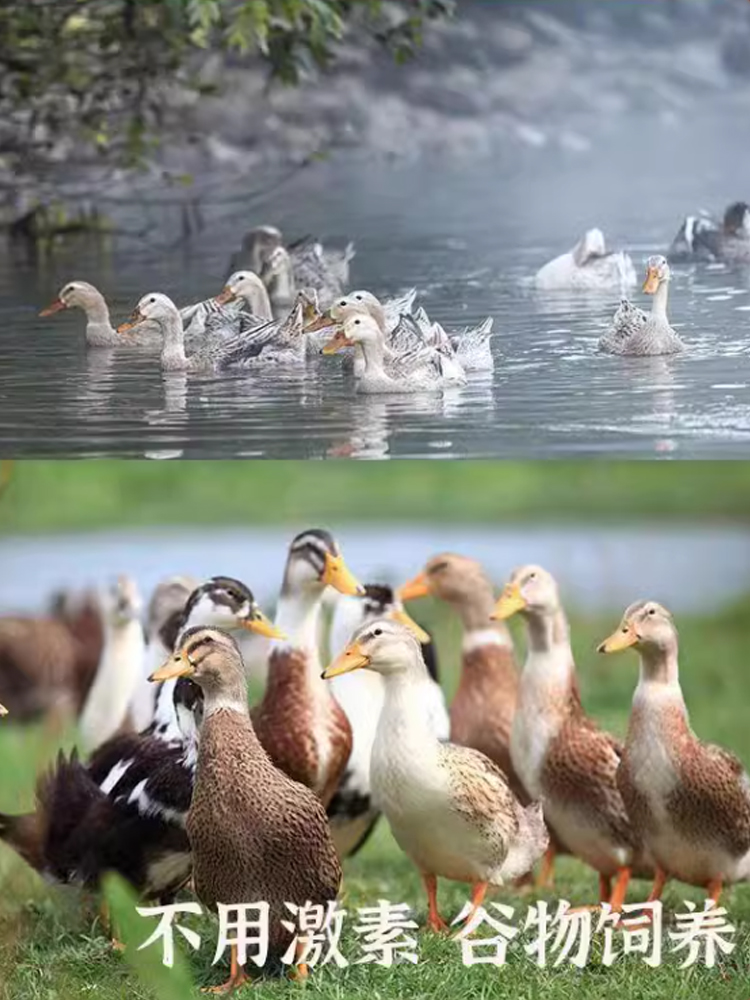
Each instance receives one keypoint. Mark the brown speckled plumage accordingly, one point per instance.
(484, 705)
(305, 733)
(38, 658)
(256, 835)
(689, 800)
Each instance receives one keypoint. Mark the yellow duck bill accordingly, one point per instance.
(509, 603)
(135, 319)
(339, 342)
(414, 589)
(651, 284)
(176, 666)
(261, 625)
(623, 638)
(225, 296)
(337, 575)
(351, 659)
(416, 630)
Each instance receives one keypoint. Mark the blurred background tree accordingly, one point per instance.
(94, 70)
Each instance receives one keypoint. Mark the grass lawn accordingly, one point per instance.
(52, 947)
(60, 496)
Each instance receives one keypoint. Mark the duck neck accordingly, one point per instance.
(231, 697)
(99, 329)
(298, 617)
(120, 670)
(659, 666)
(475, 611)
(658, 703)
(256, 300)
(548, 678)
(659, 305)
(404, 727)
(282, 287)
(173, 357)
(373, 352)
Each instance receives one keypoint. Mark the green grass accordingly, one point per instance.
(52, 946)
(68, 496)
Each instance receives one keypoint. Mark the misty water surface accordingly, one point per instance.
(469, 239)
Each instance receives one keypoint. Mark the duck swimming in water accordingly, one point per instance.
(638, 333)
(589, 266)
(702, 238)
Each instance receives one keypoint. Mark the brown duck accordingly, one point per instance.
(300, 724)
(560, 755)
(484, 705)
(688, 800)
(256, 835)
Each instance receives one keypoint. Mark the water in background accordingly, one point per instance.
(469, 239)
(599, 569)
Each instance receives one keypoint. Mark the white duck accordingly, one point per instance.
(351, 811)
(243, 303)
(638, 333)
(419, 370)
(589, 266)
(449, 807)
(120, 667)
(99, 329)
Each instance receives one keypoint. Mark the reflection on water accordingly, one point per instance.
(470, 240)
(599, 569)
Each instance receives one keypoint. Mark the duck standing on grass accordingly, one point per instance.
(485, 702)
(256, 835)
(302, 727)
(641, 334)
(689, 800)
(559, 754)
(449, 807)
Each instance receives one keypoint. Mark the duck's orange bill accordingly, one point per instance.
(54, 307)
(225, 295)
(135, 318)
(338, 575)
(416, 630)
(651, 284)
(339, 342)
(416, 588)
(351, 659)
(176, 666)
(623, 638)
(261, 625)
(3, 710)
(510, 602)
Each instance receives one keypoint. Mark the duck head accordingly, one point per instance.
(154, 306)
(645, 625)
(737, 220)
(314, 563)
(657, 274)
(212, 660)
(385, 646)
(76, 294)
(531, 590)
(225, 603)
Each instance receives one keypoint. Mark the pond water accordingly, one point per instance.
(469, 239)
(599, 569)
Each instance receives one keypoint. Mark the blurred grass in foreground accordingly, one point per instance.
(52, 946)
(68, 496)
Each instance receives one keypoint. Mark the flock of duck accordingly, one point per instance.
(390, 347)
(185, 787)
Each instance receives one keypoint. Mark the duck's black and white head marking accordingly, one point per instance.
(737, 219)
(378, 601)
(308, 553)
(219, 601)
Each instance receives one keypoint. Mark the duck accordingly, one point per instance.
(125, 808)
(99, 329)
(450, 808)
(482, 711)
(689, 800)
(301, 725)
(386, 314)
(164, 615)
(242, 299)
(39, 669)
(274, 342)
(352, 812)
(107, 706)
(81, 613)
(589, 266)
(255, 833)
(305, 264)
(634, 332)
(559, 753)
(702, 238)
(419, 370)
